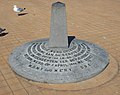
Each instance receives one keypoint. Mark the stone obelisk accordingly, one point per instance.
(58, 29)
(51, 61)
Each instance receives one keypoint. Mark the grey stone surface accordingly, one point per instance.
(46, 60)
(36, 61)
(58, 29)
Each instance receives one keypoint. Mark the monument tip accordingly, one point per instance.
(58, 4)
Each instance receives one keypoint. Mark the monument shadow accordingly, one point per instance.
(70, 39)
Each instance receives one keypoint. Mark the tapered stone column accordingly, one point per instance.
(58, 29)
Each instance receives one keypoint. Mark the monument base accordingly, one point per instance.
(81, 61)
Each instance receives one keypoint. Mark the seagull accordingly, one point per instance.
(18, 10)
(1, 30)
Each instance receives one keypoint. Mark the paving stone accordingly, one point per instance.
(87, 20)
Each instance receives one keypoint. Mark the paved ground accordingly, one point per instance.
(97, 21)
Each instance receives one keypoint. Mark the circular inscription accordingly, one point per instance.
(35, 61)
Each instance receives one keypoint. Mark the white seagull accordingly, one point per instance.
(18, 10)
